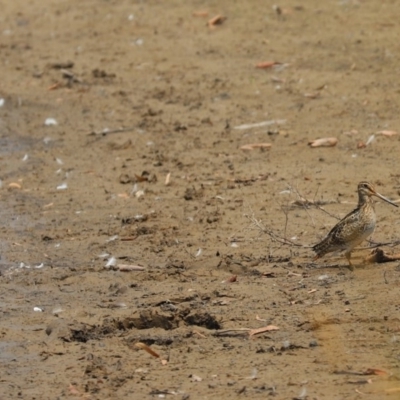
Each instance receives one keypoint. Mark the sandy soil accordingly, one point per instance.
(145, 168)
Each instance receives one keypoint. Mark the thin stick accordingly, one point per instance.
(384, 276)
(374, 245)
(317, 204)
(105, 132)
(231, 331)
(273, 235)
(327, 212)
(285, 211)
(304, 206)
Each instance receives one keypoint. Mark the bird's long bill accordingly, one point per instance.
(386, 199)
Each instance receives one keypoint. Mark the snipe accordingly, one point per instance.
(354, 227)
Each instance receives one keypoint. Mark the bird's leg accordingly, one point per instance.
(348, 256)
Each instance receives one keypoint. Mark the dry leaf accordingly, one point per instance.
(313, 95)
(253, 146)
(232, 279)
(266, 64)
(261, 124)
(127, 268)
(387, 133)
(350, 133)
(323, 142)
(73, 390)
(268, 328)
(287, 11)
(392, 390)
(128, 238)
(141, 178)
(374, 371)
(361, 145)
(195, 378)
(198, 333)
(144, 347)
(359, 382)
(54, 86)
(217, 20)
(14, 185)
(168, 179)
(200, 13)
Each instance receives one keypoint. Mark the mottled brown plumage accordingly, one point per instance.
(354, 227)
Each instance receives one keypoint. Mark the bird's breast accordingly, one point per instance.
(369, 226)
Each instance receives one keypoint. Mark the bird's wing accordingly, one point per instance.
(342, 231)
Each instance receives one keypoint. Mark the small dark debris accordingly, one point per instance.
(146, 177)
(193, 193)
(179, 127)
(158, 340)
(152, 113)
(281, 349)
(175, 264)
(151, 319)
(80, 335)
(269, 274)
(242, 390)
(145, 230)
(99, 73)
(358, 382)
(203, 319)
(61, 65)
(136, 218)
(260, 350)
(264, 388)
(124, 179)
(46, 238)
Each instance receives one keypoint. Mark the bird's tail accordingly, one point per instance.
(321, 248)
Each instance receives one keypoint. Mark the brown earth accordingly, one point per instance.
(146, 97)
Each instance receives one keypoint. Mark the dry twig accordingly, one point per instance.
(274, 236)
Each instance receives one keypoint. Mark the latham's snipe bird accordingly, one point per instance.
(354, 227)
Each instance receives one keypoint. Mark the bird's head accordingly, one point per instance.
(368, 189)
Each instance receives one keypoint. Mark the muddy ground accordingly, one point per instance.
(144, 167)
